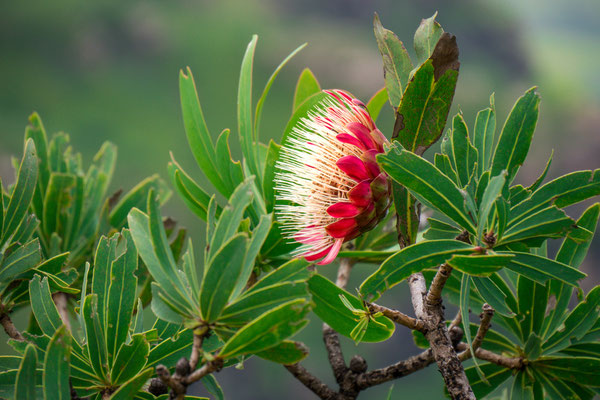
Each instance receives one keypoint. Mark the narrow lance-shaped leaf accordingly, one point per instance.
(42, 306)
(427, 183)
(410, 260)
(427, 99)
(22, 192)
(265, 92)
(307, 86)
(57, 366)
(571, 253)
(479, 265)
(95, 339)
(517, 133)
(244, 108)
(376, 103)
(196, 130)
(491, 193)
(26, 376)
(222, 275)
(121, 297)
(268, 330)
(396, 62)
(464, 154)
(483, 136)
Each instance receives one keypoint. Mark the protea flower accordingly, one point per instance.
(329, 188)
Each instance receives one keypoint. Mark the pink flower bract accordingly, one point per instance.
(329, 188)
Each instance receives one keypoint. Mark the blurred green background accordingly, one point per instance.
(108, 71)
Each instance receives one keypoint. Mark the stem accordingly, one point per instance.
(206, 369)
(10, 328)
(486, 317)
(196, 347)
(62, 304)
(394, 371)
(312, 382)
(416, 284)
(486, 355)
(398, 317)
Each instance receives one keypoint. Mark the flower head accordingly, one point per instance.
(329, 187)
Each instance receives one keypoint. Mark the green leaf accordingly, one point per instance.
(43, 307)
(396, 61)
(483, 136)
(563, 191)
(583, 350)
(515, 138)
(222, 275)
(427, 183)
(494, 376)
(549, 222)
(26, 376)
(286, 353)
(35, 130)
(377, 102)
(253, 304)
(533, 346)
(493, 295)
(293, 270)
(138, 197)
(265, 92)
(488, 200)
(22, 192)
(212, 386)
(306, 87)
(426, 101)
(479, 265)
(410, 260)
(577, 324)
(22, 259)
(540, 269)
(155, 252)
(558, 389)
(190, 192)
(163, 307)
(259, 234)
(581, 370)
(426, 37)
(269, 175)
(57, 201)
(104, 257)
(96, 342)
(231, 171)
(197, 133)
(57, 366)
(535, 185)
(244, 109)
(121, 297)
(130, 359)
(533, 300)
(329, 307)
(231, 217)
(440, 230)
(520, 389)
(571, 253)
(129, 389)
(171, 349)
(464, 154)
(268, 330)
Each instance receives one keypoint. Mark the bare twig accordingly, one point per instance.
(398, 317)
(397, 370)
(432, 314)
(62, 305)
(196, 347)
(416, 284)
(209, 367)
(312, 382)
(434, 295)
(486, 355)
(344, 272)
(487, 312)
(10, 329)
